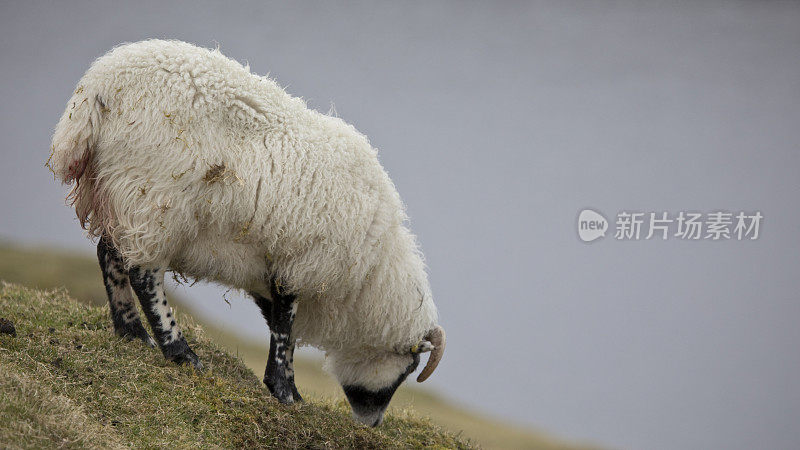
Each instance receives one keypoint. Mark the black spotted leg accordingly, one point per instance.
(124, 314)
(280, 312)
(149, 287)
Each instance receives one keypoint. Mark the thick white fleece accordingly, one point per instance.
(187, 159)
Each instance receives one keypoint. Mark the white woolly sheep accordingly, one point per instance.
(183, 160)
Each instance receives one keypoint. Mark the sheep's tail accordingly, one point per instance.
(71, 158)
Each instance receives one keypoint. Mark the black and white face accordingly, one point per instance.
(369, 384)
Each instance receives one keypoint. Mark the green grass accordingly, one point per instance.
(80, 274)
(69, 382)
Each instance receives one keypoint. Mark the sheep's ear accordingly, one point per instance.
(422, 347)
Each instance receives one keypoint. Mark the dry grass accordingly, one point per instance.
(33, 416)
(219, 173)
(71, 383)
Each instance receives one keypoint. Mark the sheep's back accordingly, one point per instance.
(192, 145)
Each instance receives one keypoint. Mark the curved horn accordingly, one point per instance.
(437, 338)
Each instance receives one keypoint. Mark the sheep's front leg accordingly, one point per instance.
(279, 375)
(124, 314)
(266, 310)
(149, 287)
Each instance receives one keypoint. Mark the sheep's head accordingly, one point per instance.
(369, 381)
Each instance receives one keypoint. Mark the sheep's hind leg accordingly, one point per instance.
(280, 314)
(149, 287)
(124, 314)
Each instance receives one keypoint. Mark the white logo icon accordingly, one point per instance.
(591, 225)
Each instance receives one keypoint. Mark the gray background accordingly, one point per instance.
(498, 122)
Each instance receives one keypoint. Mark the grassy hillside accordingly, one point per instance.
(48, 269)
(484, 431)
(68, 383)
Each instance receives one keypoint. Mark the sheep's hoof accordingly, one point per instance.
(134, 330)
(189, 357)
(179, 352)
(280, 389)
(296, 395)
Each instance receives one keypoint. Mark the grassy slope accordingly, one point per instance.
(70, 381)
(47, 269)
(485, 431)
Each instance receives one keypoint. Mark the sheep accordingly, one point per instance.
(183, 160)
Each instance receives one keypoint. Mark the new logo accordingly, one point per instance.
(591, 225)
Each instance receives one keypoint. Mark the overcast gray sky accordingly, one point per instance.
(498, 122)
